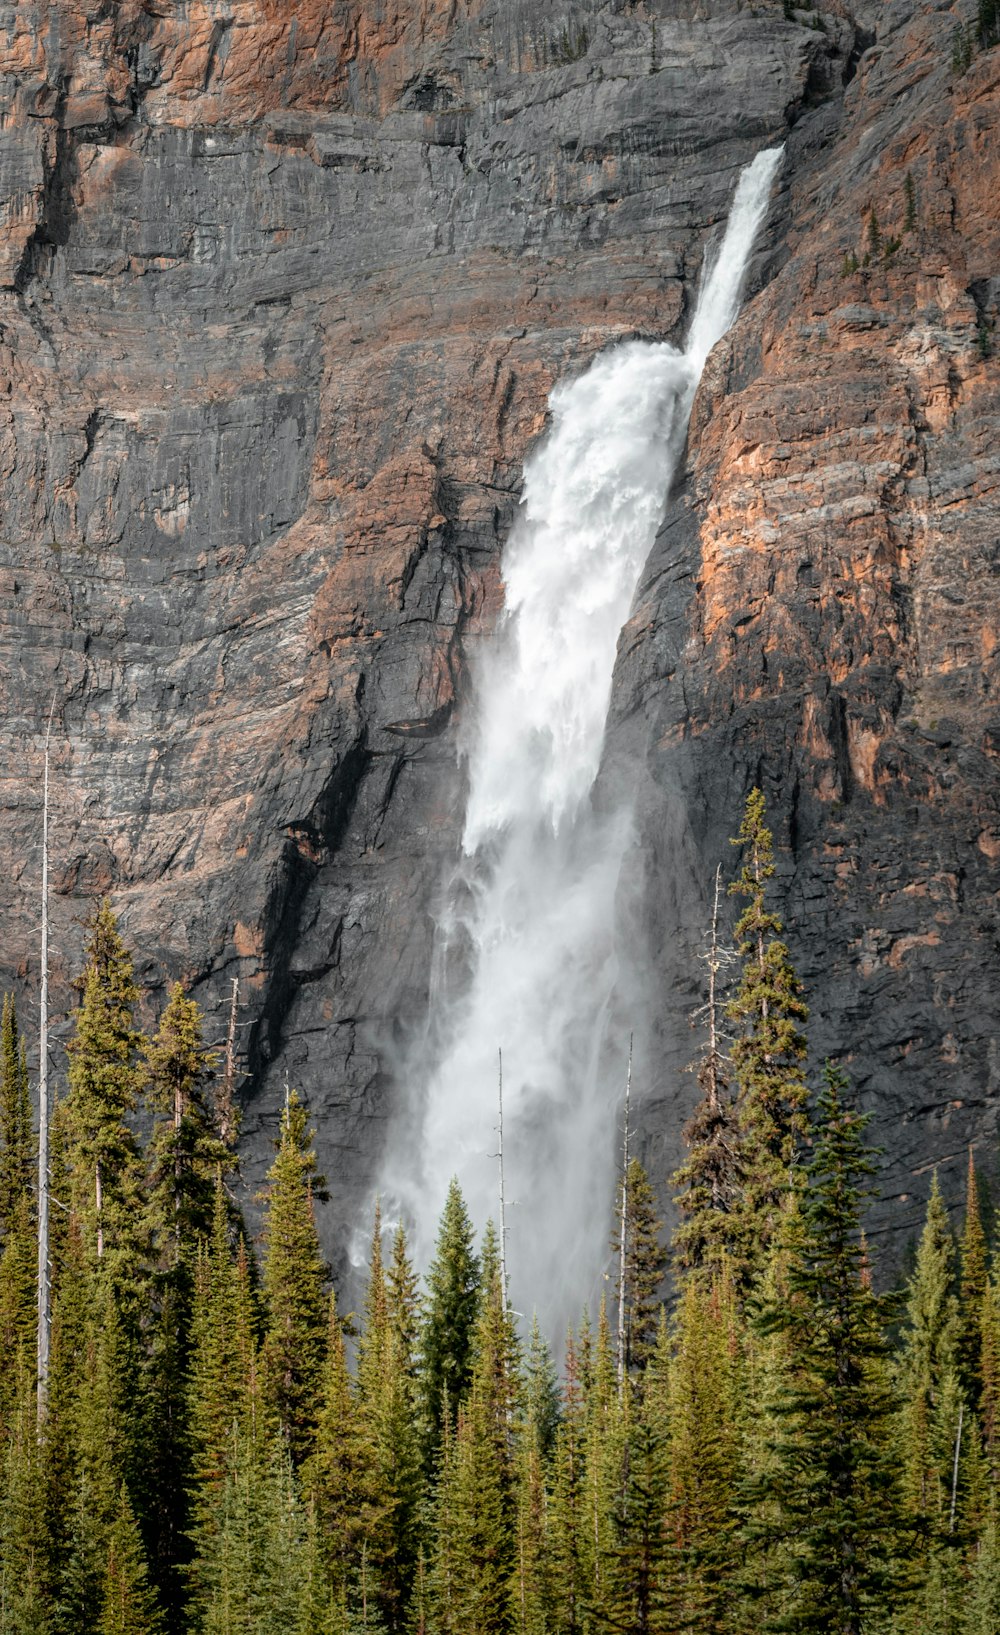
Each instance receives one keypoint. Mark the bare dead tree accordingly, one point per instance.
(43, 1287)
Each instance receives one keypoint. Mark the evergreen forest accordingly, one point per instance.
(748, 1435)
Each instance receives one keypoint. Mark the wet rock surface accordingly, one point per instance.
(283, 290)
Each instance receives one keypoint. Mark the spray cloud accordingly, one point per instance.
(525, 951)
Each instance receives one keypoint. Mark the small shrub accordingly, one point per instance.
(909, 203)
(849, 265)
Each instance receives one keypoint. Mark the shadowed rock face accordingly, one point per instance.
(283, 290)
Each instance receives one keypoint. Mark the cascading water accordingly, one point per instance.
(525, 954)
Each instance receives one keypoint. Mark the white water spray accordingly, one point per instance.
(525, 952)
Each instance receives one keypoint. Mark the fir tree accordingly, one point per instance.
(448, 1322)
(831, 1484)
(17, 1155)
(104, 1083)
(128, 1605)
(704, 1380)
(769, 1052)
(569, 1529)
(974, 1276)
(645, 1263)
(929, 1369)
(25, 1542)
(708, 1182)
(294, 1286)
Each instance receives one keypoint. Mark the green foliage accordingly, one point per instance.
(768, 1053)
(294, 1284)
(212, 1462)
(448, 1321)
(645, 1265)
(105, 1078)
(822, 1510)
(17, 1147)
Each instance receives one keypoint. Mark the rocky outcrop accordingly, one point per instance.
(820, 613)
(283, 290)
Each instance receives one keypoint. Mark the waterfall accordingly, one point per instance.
(525, 949)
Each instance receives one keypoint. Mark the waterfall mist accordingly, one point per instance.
(525, 952)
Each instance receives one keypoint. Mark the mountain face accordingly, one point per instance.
(283, 291)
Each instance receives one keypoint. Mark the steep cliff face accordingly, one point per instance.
(284, 290)
(820, 613)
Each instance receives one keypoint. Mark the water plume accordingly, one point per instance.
(525, 954)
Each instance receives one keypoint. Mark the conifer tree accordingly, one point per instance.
(222, 1368)
(569, 1530)
(294, 1286)
(708, 1182)
(388, 1401)
(770, 1050)
(705, 1387)
(639, 1568)
(25, 1544)
(831, 1483)
(128, 1605)
(448, 1322)
(606, 1418)
(17, 1303)
(184, 1159)
(105, 1078)
(16, 1140)
(645, 1263)
(974, 1276)
(340, 1479)
(929, 1369)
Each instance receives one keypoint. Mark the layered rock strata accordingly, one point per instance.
(283, 290)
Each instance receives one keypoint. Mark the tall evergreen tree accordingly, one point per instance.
(448, 1322)
(769, 1052)
(705, 1391)
(974, 1277)
(294, 1285)
(16, 1141)
(569, 1531)
(105, 1078)
(831, 1484)
(709, 1181)
(645, 1264)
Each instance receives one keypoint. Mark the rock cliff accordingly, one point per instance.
(283, 290)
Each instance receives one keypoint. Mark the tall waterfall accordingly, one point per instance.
(525, 951)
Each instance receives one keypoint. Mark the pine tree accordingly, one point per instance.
(929, 1369)
(184, 1160)
(974, 1276)
(25, 1544)
(569, 1529)
(129, 1605)
(639, 1567)
(387, 1390)
(17, 1303)
(449, 1318)
(340, 1479)
(17, 1146)
(645, 1265)
(104, 1083)
(708, 1183)
(831, 1484)
(769, 1053)
(294, 1286)
(705, 1388)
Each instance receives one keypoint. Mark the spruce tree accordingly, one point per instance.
(294, 1286)
(830, 1491)
(17, 1155)
(387, 1390)
(769, 1052)
(105, 1078)
(974, 1276)
(569, 1531)
(929, 1369)
(25, 1541)
(645, 1265)
(705, 1385)
(128, 1605)
(184, 1159)
(708, 1183)
(449, 1318)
